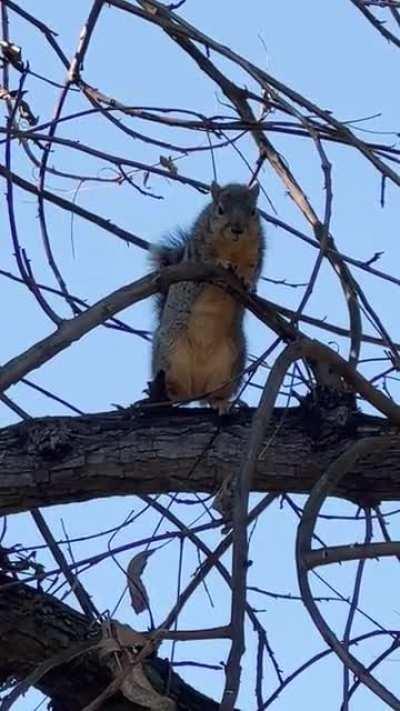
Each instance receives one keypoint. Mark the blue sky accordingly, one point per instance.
(329, 53)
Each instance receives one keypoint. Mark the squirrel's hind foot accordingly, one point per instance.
(222, 405)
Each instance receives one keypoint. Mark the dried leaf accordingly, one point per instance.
(26, 113)
(169, 164)
(12, 54)
(137, 590)
(118, 643)
(4, 93)
(128, 637)
(137, 688)
(117, 637)
(24, 109)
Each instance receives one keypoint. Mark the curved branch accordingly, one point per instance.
(339, 554)
(321, 490)
(243, 482)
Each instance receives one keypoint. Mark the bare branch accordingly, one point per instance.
(334, 473)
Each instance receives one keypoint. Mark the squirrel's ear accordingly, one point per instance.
(215, 191)
(254, 191)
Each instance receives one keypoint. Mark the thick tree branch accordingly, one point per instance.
(35, 627)
(65, 459)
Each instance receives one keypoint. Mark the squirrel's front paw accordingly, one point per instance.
(246, 284)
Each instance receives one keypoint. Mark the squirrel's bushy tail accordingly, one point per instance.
(170, 251)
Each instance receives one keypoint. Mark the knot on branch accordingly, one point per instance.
(329, 414)
(49, 441)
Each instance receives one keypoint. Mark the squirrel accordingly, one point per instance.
(199, 346)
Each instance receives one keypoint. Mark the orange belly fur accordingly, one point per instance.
(203, 358)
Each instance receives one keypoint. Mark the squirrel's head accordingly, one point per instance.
(234, 208)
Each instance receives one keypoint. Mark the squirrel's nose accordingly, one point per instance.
(237, 229)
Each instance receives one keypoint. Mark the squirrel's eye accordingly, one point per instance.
(253, 212)
(220, 210)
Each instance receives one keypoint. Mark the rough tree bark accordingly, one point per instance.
(65, 459)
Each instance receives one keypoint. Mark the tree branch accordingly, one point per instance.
(64, 459)
(38, 627)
